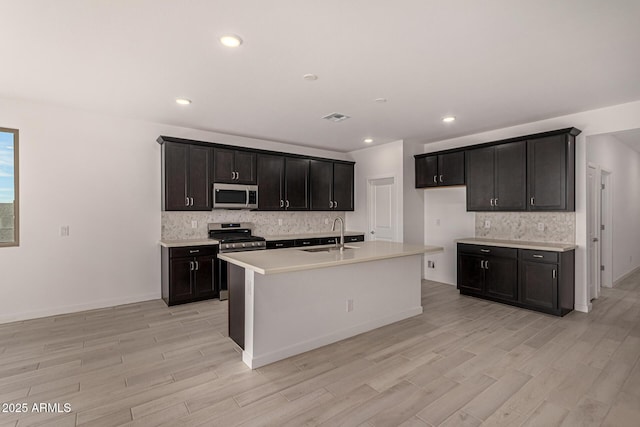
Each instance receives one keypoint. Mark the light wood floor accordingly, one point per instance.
(463, 362)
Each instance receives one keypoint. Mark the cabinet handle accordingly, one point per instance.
(440, 178)
(495, 201)
(186, 203)
(233, 175)
(282, 203)
(191, 201)
(491, 202)
(486, 265)
(197, 266)
(435, 178)
(237, 175)
(191, 265)
(330, 204)
(538, 256)
(194, 251)
(279, 245)
(287, 204)
(486, 251)
(554, 273)
(335, 204)
(533, 201)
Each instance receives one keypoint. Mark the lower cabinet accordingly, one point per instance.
(538, 280)
(189, 274)
(290, 243)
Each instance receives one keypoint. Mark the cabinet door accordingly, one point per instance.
(470, 273)
(501, 278)
(180, 280)
(199, 178)
(296, 184)
(270, 179)
(511, 176)
(223, 166)
(204, 277)
(539, 284)
(343, 186)
(451, 169)
(427, 171)
(320, 185)
(547, 173)
(480, 178)
(245, 166)
(176, 165)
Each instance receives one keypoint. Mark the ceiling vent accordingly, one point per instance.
(336, 117)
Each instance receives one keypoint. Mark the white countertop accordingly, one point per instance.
(297, 259)
(311, 235)
(188, 242)
(520, 244)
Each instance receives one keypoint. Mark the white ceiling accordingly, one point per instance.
(490, 63)
(629, 137)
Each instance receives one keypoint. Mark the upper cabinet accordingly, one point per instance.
(331, 186)
(439, 170)
(527, 173)
(283, 183)
(496, 177)
(551, 173)
(234, 166)
(186, 177)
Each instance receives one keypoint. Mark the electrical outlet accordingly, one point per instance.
(64, 231)
(487, 223)
(194, 224)
(349, 305)
(541, 226)
(279, 221)
(431, 264)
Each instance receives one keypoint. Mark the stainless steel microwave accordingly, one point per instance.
(235, 196)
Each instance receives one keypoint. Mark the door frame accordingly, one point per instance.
(606, 219)
(594, 279)
(394, 201)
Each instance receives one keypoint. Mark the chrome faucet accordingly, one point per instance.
(333, 228)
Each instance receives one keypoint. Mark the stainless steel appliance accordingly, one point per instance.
(235, 196)
(233, 237)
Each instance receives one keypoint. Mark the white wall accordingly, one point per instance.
(624, 164)
(446, 219)
(605, 120)
(413, 198)
(101, 176)
(380, 161)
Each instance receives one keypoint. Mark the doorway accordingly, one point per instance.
(606, 229)
(593, 230)
(382, 209)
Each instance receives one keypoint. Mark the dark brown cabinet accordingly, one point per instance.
(189, 274)
(496, 177)
(331, 186)
(283, 183)
(440, 169)
(290, 243)
(486, 270)
(186, 177)
(234, 166)
(538, 280)
(551, 173)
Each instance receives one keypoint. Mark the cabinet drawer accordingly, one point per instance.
(192, 251)
(351, 239)
(543, 256)
(488, 250)
(279, 244)
(307, 242)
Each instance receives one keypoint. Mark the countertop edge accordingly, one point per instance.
(539, 246)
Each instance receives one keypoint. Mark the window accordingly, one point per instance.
(8, 187)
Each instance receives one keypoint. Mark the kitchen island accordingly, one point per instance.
(288, 301)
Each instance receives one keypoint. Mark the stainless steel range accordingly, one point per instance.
(233, 237)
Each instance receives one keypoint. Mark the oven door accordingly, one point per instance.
(235, 196)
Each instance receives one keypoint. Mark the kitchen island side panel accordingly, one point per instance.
(290, 313)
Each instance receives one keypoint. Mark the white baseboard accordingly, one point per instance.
(55, 311)
(583, 308)
(283, 353)
(620, 279)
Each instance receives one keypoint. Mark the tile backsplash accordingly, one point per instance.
(559, 227)
(178, 225)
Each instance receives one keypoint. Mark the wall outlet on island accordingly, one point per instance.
(194, 224)
(541, 226)
(487, 223)
(349, 305)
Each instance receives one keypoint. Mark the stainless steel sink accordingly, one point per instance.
(330, 249)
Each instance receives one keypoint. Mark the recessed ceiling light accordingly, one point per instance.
(449, 119)
(368, 140)
(381, 100)
(183, 101)
(231, 40)
(310, 77)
